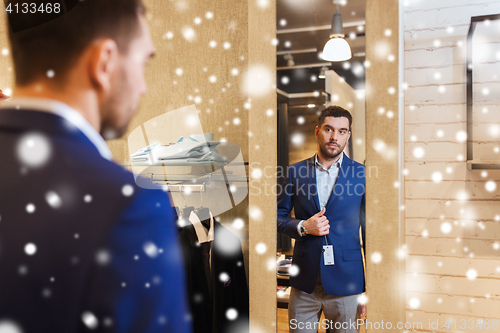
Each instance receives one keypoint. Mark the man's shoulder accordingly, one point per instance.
(96, 170)
(357, 164)
(113, 175)
(142, 202)
(357, 169)
(86, 168)
(299, 164)
(299, 169)
(69, 158)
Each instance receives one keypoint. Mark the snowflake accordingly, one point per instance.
(30, 249)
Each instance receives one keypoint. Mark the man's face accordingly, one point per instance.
(333, 136)
(128, 85)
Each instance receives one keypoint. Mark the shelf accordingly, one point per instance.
(198, 178)
(226, 176)
(173, 163)
(284, 296)
(483, 165)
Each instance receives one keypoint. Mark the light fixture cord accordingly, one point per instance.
(336, 2)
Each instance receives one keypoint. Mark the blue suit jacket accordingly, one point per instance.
(113, 260)
(345, 210)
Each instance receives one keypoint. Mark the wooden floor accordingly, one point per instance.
(283, 322)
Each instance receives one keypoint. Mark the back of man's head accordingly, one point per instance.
(44, 44)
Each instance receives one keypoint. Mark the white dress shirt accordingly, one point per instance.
(326, 178)
(65, 111)
(325, 181)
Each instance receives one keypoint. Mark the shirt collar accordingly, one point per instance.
(65, 111)
(338, 163)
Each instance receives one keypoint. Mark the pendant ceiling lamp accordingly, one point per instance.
(337, 49)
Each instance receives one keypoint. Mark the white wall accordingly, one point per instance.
(344, 95)
(438, 262)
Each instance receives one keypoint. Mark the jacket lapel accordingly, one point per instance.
(312, 182)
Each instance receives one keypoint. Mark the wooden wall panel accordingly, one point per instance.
(384, 287)
(213, 54)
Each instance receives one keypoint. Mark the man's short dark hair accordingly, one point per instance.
(334, 111)
(57, 44)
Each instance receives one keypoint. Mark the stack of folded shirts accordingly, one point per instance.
(143, 155)
(185, 150)
(283, 266)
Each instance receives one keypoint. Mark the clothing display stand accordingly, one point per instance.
(216, 279)
(283, 282)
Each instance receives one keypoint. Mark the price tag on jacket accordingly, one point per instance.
(328, 254)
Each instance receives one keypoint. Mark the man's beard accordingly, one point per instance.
(110, 130)
(109, 133)
(328, 153)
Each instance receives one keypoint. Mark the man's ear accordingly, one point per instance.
(103, 63)
(316, 132)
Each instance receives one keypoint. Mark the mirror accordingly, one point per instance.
(306, 84)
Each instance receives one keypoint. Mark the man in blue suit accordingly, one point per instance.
(82, 247)
(327, 194)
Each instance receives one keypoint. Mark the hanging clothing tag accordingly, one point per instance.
(328, 254)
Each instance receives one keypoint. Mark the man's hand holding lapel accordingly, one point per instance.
(318, 224)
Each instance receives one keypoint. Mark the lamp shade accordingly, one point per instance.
(337, 49)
